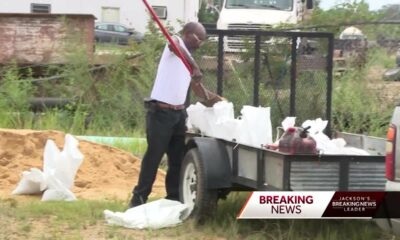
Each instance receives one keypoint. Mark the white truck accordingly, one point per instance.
(258, 15)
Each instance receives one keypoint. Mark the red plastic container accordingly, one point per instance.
(297, 141)
(287, 141)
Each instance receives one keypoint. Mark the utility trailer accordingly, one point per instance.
(214, 167)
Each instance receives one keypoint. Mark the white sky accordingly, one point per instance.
(373, 4)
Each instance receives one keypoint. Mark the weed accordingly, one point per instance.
(357, 108)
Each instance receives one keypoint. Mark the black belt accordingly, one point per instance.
(169, 106)
(151, 103)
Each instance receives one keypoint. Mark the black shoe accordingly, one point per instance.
(174, 198)
(136, 201)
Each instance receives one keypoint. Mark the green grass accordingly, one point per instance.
(73, 220)
(111, 47)
(137, 148)
(381, 57)
(358, 108)
(136, 145)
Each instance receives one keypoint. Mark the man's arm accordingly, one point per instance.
(197, 75)
(200, 91)
(196, 83)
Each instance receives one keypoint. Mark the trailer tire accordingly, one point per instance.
(202, 202)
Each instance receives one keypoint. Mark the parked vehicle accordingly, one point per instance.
(258, 15)
(392, 169)
(116, 33)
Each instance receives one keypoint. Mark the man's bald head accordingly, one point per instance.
(194, 34)
(193, 27)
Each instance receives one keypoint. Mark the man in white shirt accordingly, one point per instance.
(166, 114)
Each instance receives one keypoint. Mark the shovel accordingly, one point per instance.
(208, 102)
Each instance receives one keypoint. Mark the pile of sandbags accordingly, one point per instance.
(58, 175)
(252, 127)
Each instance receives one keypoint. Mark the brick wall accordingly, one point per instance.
(44, 38)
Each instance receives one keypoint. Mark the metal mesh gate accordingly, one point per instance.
(291, 72)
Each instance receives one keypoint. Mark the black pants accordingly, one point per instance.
(165, 129)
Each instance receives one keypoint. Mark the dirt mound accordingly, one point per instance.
(105, 173)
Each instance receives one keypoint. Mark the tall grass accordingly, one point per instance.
(357, 107)
(109, 102)
(106, 102)
(14, 98)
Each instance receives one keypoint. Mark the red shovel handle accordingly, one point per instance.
(166, 34)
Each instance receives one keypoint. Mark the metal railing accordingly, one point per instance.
(291, 72)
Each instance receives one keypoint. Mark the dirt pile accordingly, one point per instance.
(105, 173)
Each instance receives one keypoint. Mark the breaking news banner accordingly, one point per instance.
(317, 205)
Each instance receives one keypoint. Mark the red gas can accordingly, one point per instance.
(286, 143)
(297, 141)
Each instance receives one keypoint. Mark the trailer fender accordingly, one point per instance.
(215, 159)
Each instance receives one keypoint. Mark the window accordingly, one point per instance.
(110, 14)
(285, 5)
(161, 11)
(40, 8)
(102, 27)
(119, 28)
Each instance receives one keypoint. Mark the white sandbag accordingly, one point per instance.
(70, 160)
(51, 157)
(209, 122)
(327, 146)
(355, 151)
(157, 214)
(205, 119)
(56, 190)
(59, 170)
(58, 195)
(316, 126)
(223, 110)
(195, 115)
(257, 123)
(227, 129)
(288, 122)
(242, 134)
(63, 165)
(32, 182)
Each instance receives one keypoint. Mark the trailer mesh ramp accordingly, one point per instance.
(324, 176)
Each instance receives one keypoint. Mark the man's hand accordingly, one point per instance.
(197, 76)
(213, 100)
(219, 98)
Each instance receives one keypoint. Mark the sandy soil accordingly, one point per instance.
(106, 172)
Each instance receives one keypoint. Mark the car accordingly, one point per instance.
(391, 225)
(392, 171)
(115, 33)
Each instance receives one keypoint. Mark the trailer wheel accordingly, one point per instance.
(202, 202)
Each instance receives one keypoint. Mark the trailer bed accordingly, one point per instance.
(264, 169)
